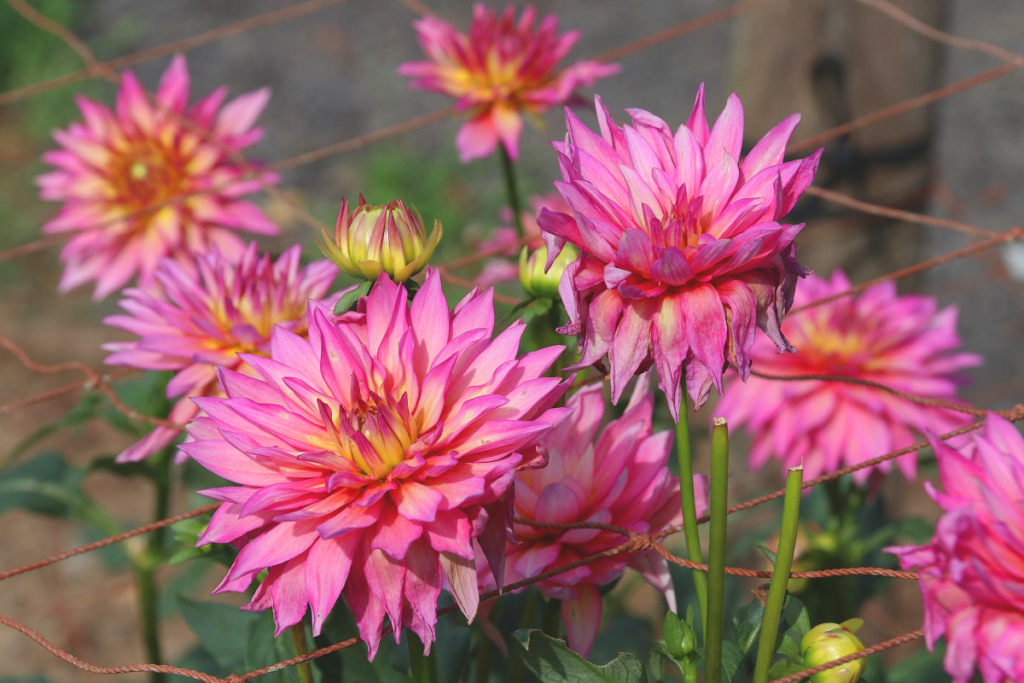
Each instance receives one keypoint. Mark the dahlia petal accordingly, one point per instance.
(477, 138)
(460, 573)
(280, 543)
(350, 518)
(226, 461)
(770, 149)
(726, 138)
(582, 617)
(629, 347)
(417, 502)
(327, 570)
(288, 594)
(386, 580)
(395, 533)
(239, 115)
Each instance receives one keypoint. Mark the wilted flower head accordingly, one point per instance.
(618, 477)
(374, 457)
(903, 342)
(537, 277)
(499, 71)
(505, 243)
(153, 178)
(683, 254)
(828, 642)
(199, 317)
(972, 573)
(373, 239)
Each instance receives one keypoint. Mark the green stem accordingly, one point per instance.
(148, 608)
(516, 667)
(512, 186)
(719, 505)
(149, 560)
(780, 575)
(302, 648)
(422, 667)
(689, 503)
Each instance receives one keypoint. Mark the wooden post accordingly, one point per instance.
(834, 60)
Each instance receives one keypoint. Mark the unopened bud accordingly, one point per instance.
(374, 239)
(828, 642)
(538, 283)
(678, 636)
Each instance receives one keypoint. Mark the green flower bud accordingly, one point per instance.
(678, 636)
(828, 642)
(536, 282)
(375, 239)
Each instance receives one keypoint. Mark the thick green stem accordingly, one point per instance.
(780, 575)
(689, 503)
(148, 610)
(149, 560)
(301, 644)
(512, 186)
(719, 505)
(422, 668)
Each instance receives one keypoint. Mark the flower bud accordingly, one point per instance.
(536, 282)
(827, 642)
(375, 239)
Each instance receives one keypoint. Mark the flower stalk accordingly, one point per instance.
(719, 507)
(512, 187)
(780, 574)
(301, 645)
(694, 553)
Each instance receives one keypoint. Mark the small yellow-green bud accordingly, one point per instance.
(374, 239)
(538, 283)
(828, 642)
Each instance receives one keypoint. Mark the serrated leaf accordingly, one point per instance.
(795, 615)
(734, 666)
(747, 624)
(349, 299)
(783, 668)
(536, 308)
(551, 660)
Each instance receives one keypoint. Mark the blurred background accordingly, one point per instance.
(332, 69)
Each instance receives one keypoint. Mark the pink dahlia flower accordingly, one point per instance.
(199, 317)
(972, 573)
(617, 477)
(374, 457)
(506, 243)
(683, 251)
(501, 70)
(152, 178)
(903, 342)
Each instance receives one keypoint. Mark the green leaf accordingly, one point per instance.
(783, 668)
(747, 624)
(263, 649)
(46, 485)
(767, 552)
(222, 630)
(348, 300)
(795, 615)
(734, 666)
(790, 648)
(536, 308)
(551, 660)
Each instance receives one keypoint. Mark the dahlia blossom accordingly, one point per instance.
(683, 251)
(375, 457)
(153, 178)
(972, 573)
(501, 70)
(903, 342)
(506, 244)
(617, 477)
(199, 317)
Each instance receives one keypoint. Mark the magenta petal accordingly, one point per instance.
(582, 617)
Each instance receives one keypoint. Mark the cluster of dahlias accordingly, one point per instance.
(388, 449)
